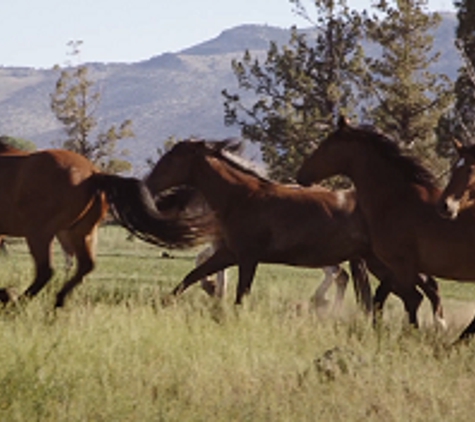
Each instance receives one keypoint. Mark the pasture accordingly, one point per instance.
(115, 354)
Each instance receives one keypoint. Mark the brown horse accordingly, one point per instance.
(261, 221)
(8, 149)
(460, 190)
(398, 198)
(59, 193)
(186, 200)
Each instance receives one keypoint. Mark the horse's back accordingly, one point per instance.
(43, 188)
(315, 199)
(301, 226)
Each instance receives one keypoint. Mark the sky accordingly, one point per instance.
(35, 33)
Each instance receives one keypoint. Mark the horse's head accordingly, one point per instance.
(460, 188)
(175, 167)
(330, 158)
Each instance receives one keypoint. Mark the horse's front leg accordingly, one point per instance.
(247, 271)
(411, 298)
(429, 286)
(40, 249)
(220, 260)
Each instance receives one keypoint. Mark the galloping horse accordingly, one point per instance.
(8, 149)
(59, 193)
(261, 221)
(459, 192)
(186, 200)
(398, 198)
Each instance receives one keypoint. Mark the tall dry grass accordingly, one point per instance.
(115, 354)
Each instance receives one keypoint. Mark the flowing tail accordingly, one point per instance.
(133, 207)
(361, 284)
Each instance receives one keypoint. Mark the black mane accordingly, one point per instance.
(227, 151)
(411, 167)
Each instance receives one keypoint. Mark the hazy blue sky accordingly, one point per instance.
(35, 32)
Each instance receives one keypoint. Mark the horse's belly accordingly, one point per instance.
(312, 256)
(449, 261)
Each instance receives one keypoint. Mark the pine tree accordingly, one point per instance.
(408, 98)
(301, 88)
(75, 102)
(460, 121)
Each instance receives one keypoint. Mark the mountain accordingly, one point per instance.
(173, 94)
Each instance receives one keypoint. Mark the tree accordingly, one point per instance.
(409, 98)
(301, 88)
(74, 103)
(19, 143)
(459, 122)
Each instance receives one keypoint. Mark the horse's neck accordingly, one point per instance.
(219, 183)
(375, 177)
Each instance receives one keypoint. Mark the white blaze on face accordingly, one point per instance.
(340, 198)
(453, 205)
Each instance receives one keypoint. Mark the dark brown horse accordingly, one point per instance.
(460, 190)
(398, 198)
(260, 221)
(186, 200)
(59, 193)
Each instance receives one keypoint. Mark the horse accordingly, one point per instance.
(459, 192)
(261, 221)
(58, 193)
(8, 149)
(185, 200)
(399, 198)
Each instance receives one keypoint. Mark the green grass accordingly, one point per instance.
(115, 354)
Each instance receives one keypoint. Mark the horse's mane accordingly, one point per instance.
(410, 166)
(228, 151)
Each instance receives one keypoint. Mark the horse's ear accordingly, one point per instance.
(343, 122)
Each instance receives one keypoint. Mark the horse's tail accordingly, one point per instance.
(361, 284)
(133, 207)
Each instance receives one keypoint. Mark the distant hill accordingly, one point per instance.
(173, 94)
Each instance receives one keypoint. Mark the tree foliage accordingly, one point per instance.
(75, 102)
(290, 99)
(459, 122)
(19, 143)
(408, 98)
(301, 88)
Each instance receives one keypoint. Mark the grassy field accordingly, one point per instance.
(115, 354)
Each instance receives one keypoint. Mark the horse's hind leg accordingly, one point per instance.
(84, 246)
(361, 284)
(332, 274)
(40, 249)
(318, 298)
(68, 250)
(341, 280)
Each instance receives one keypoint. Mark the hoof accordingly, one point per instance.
(209, 287)
(7, 295)
(320, 302)
(168, 300)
